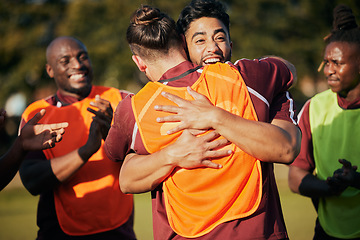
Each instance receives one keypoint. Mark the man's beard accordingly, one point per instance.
(83, 91)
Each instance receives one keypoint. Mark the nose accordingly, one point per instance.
(329, 69)
(76, 63)
(212, 47)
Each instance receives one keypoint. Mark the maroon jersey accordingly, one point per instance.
(268, 81)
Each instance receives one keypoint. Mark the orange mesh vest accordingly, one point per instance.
(90, 201)
(200, 199)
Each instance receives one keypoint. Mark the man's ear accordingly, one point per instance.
(183, 40)
(49, 71)
(139, 63)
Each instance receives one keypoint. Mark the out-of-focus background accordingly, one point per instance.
(292, 29)
(18, 212)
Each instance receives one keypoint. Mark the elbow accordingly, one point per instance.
(133, 186)
(291, 150)
(291, 154)
(30, 186)
(125, 184)
(33, 191)
(287, 154)
(125, 188)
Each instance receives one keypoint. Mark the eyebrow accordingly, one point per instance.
(68, 55)
(204, 33)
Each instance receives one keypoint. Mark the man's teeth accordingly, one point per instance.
(76, 76)
(212, 60)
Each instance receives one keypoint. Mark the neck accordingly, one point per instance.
(351, 95)
(163, 64)
(79, 94)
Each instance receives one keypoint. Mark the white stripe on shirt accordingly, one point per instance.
(291, 108)
(258, 95)
(134, 137)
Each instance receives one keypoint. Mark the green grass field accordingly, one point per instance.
(18, 212)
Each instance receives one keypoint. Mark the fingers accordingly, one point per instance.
(345, 163)
(169, 118)
(103, 105)
(100, 114)
(214, 154)
(37, 117)
(176, 129)
(58, 138)
(211, 135)
(194, 94)
(101, 121)
(167, 108)
(217, 144)
(176, 99)
(92, 110)
(105, 111)
(55, 137)
(210, 164)
(58, 126)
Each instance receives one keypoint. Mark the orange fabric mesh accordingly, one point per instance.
(90, 201)
(200, 199)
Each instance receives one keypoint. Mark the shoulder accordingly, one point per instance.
(33, 108)
(262, 62)
(267, 76)
(304, 112)
(111, 90)
(123, 110)
(125, 94)
(323, 95)
(323, 100)
(263, 67)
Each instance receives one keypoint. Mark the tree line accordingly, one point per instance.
(293, 29)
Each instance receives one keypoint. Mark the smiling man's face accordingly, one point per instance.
(70, 66)
(208, 41)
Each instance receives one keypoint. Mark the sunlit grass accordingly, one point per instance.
(18, 213)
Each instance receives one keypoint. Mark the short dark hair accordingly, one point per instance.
(151, 29)
(345, 28)
(202, 8)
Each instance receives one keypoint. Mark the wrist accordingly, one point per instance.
(84, 153)
(356, 182)
(169, 156)
(216, 118)
(19, 145)
(311, 186)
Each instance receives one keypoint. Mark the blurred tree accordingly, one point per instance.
(292, 29)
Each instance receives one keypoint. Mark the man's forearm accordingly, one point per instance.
(313, 187)
(39, 175)
(10, 163)
(306, 184)
(268, 142)
(142, 173)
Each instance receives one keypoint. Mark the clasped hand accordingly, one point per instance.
(343, 177)
(103, 116)
(196, 114)
(99, 126)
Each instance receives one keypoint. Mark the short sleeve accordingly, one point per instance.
(118, 142)
(305, 159)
